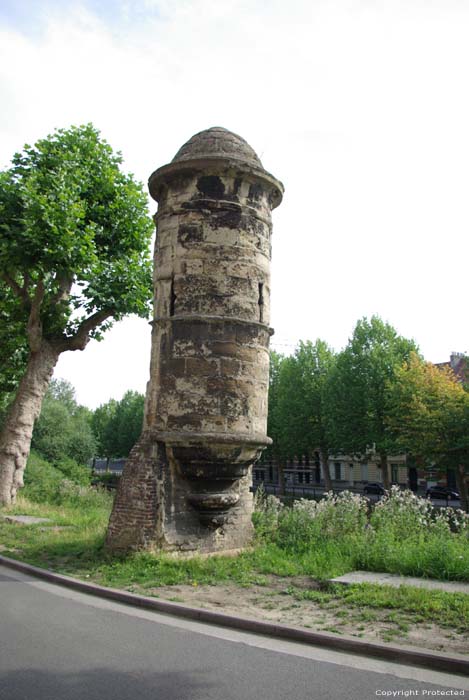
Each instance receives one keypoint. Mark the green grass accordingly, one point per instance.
(446, 609)
(72, 543)
(73, 539)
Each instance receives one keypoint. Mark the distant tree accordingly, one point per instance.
(315, 362)
(296, 404)
(104, 428)
(301, 403)
(273, 417)
(63, 430)
(117, 425)
(74, 255)
(129, 421)
(357, 394)
(63, 392)
(430, 417)
(290, 438)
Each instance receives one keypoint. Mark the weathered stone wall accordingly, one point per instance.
(212, 288)
(186, 486)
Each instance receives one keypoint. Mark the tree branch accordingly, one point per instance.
(34, 320)
(20, 292)
(81, 338)
(65, 285)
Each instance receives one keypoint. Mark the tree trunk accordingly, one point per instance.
(280, 477)
(383, 465)
(15, 439)
(461, 481)
(325, 470)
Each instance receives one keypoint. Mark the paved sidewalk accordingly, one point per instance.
(396, 580)
(25, 519)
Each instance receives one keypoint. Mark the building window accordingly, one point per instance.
(364, 472)
(395, 473)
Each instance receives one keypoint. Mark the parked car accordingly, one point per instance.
(442, 492)
(374, 488)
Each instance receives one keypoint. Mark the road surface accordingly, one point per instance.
(57, 644)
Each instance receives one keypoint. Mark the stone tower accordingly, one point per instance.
(185, 487)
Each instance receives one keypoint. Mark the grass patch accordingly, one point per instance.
(319, 541)
(70, 543)
(441, 607)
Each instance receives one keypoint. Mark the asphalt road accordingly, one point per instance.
(56, 644)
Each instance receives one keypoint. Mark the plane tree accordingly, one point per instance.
(74, 258)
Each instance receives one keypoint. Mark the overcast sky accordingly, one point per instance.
(360, 107)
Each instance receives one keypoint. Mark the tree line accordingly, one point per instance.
(70, 436)
(377, 396)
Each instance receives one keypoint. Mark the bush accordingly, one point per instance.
(41, 479)
(308, 523)
(67, 485)
(73, 471)
(404, 535)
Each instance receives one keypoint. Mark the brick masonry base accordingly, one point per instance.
(151, 511)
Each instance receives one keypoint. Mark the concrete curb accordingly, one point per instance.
(398, 654)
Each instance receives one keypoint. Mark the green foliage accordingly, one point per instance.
(128, 421)
(357, 395)
(430, 413)
(274, 422)
(296, 419)
(13, 344)
(301, 528)
(74, 257)
(70, 216)
(103, 425)
(117, 425)
(65, 483)
(404, 535)
(73, 471)
(63, 430)
(42, 480)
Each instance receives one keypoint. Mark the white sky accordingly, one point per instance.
(360, 107)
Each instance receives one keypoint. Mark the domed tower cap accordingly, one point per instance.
(203, 150)
(217, 142)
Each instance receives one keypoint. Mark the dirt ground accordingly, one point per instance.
(272, 603)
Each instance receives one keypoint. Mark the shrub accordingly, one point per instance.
(266, 514)
(404, 534)
(309, 523)
(403, 515)
(71, 494)
(337, 515)
(45, 483)
(42, 480)
(73, 471)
